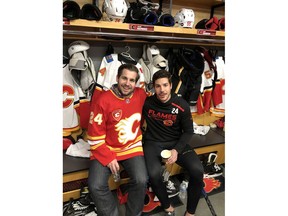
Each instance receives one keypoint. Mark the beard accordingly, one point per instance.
(125, 92)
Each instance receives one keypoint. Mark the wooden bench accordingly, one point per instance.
(75, 170)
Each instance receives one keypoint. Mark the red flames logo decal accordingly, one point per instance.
(211, 184)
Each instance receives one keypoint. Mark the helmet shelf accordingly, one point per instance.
(95, 30)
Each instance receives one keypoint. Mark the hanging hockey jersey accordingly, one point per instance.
(205, 96)
(218, 95)
(114, 126)
(108, 71)
(186, 77)
(209, 77)
(70, 95)
(82, 106)
(76, 106)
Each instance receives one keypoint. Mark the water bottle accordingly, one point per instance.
(116, 176)
(183, 190)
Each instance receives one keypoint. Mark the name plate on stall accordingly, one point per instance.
(140, 27)
(206, 32)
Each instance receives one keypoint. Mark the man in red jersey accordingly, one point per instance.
(115, 137)
(170, 126)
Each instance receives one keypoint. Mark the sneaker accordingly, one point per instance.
(171, 189)
(84, 206)
(166, 174)
(89, 210)
(71, 211)
(84, 201)
(68, 208)
(213, 170)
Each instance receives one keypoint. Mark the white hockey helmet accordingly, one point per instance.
(185, 18)
(77, 46)
(116, 10)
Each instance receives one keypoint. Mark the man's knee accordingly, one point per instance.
(93, 188)
(197, 173)
(141, 179)
(96, 185)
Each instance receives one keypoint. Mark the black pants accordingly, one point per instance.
(188, 160)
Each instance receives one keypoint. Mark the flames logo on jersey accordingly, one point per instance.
(168, 122)
(208, 74)
(125, 127)
(68, 95)
(117, 114)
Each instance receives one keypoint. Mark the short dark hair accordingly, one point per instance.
(161, 74)
(129, 67)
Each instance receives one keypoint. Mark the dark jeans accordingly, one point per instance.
(105, 201)
(188, 160)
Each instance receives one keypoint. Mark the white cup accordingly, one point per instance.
(165, 154)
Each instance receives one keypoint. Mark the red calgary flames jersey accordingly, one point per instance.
(114, 126)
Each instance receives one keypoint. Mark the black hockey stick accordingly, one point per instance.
(208, 202)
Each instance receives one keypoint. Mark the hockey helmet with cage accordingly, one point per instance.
(116, 10)
(77, 46)
(185, 18)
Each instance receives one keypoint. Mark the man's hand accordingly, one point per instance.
(114, 166)
(173, 158)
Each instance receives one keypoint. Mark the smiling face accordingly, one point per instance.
(127, 82)
(163, 88)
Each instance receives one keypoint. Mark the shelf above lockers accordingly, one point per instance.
(101, 30)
